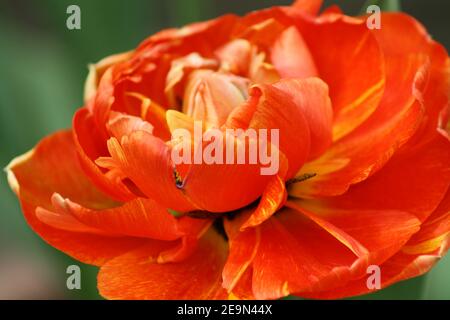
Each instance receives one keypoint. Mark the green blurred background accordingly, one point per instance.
(42, 70)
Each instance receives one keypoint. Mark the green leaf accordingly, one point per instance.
(437, 287)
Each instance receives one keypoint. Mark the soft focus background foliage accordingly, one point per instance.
(42, 71)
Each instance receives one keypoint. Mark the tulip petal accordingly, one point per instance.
(291, 56)
(311, 95)
(235, 56)
(146, 160)
(243, 247)
(356, 86)
(222, 187)
(90, 147)
(144, 75)
(210, 96)
(193, 230)
(435, 91)
(272, 199)
(228, 182)
(309, 6)
(139, 218)
(295, 254)
(348, 58)
(262, 72)
(408, 182)
(181, 68)
(134, 276)
(64, 221)
(359, 229)
(97, 70)
(243, 289)
(271, 108)
(53, 166)
(178, 120)
(366, 149)
(435, 227)
(353, 235)
(260, 29)
(120, 125)
(415, 180)
(205, 36)
(148, 110)
(417, 257)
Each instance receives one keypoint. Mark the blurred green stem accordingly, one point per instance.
(182, 12)
(385, 5)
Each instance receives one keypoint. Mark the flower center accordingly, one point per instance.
(209, 89)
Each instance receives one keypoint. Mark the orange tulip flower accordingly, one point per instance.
(363, 176)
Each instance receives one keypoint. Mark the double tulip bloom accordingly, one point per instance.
(364, 160)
